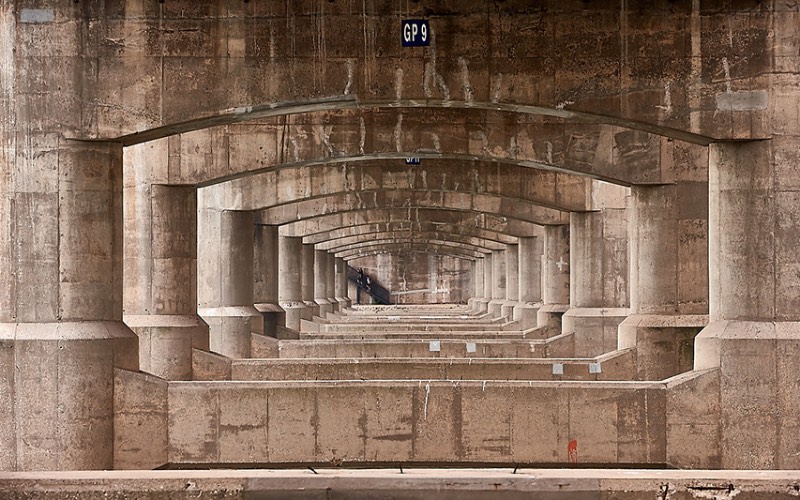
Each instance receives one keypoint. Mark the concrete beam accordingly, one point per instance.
(344, 243)
(394, 246)
(321, 225)
(364, 230)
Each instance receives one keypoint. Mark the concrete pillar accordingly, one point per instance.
(477, 286)
(754, 307)
(555, 277)
(512, 281)
(290, 284)
(265, 291)
(341, 284)
(312, 308)
(160, 264)
(498, 283)
(321, 283)
(330, 286)
(61, 329)
(668, 230)
(598, 280)
(530, 281)
(226, 281)
(488, 283)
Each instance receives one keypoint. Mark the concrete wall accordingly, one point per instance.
(419, 278)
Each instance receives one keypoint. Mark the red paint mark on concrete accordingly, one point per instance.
(572, 451)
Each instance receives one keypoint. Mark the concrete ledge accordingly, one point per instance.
(323, 484)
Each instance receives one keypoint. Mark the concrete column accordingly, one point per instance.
(530, 281)
(498, 283)
(555, 277)
(754, 307)
(488, 283)
(330, 286)
(61, 329)
(160, 262)
(312, 308)
(477, 285)
(265, 291)
(512, 281)
(321, 283)
(598, 280)
(226, 281)
(668, 230)
(290, 284)
(341, 284)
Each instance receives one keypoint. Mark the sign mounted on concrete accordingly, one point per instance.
(413, 161)
(416, 33)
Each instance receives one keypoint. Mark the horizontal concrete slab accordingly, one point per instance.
(408, 483)
(617, 366)
(322, 347)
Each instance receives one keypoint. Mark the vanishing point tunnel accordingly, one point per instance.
(335, 233)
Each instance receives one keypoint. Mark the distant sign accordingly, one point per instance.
(416, 33)
(413, 161)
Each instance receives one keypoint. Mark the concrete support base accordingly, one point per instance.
(758, 391)
(293, 313)
(664, 343)
(481, 305)
(594, 329)
(507, 309)
(325, 307)
(527, 314)
(311, 310)
(344, 303)
(57, 393)
(166, 343)
(495, 308)
(274, 316)
(549, 316)
(230, 329)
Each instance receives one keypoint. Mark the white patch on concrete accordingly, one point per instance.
(472, 347)
(513, 150)
(497, 88)
(435, 346)
(561, 264)
(667, 106)
(398, 133)
(563, 104)
(727, 69)
(425, 180)
(37, 16)
(469, 94)
(425, 404)
(558, 369)
(549, 152)
(295, 149)
(483, 386)
(742, 101)
(398, 83)
(362, 140)
(437, 145)
(349, 77)
(595, 368)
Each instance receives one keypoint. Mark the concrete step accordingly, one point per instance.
(560, 345)
(619, 365)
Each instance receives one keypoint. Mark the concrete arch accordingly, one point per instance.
(337, 245)
(365, 230)
(574, 69)
(466, 255)
(340, 252)
(614, 154)
(439, 248)
(322, 224)
(505, 207)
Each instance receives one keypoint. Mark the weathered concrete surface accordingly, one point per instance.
(408, 484)
(517, 422)
(419, 278)
(616, 366)
(448, 347)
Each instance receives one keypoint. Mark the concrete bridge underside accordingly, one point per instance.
(584, 213)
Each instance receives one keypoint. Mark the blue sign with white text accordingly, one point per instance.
(416, 33)
(413, 161)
